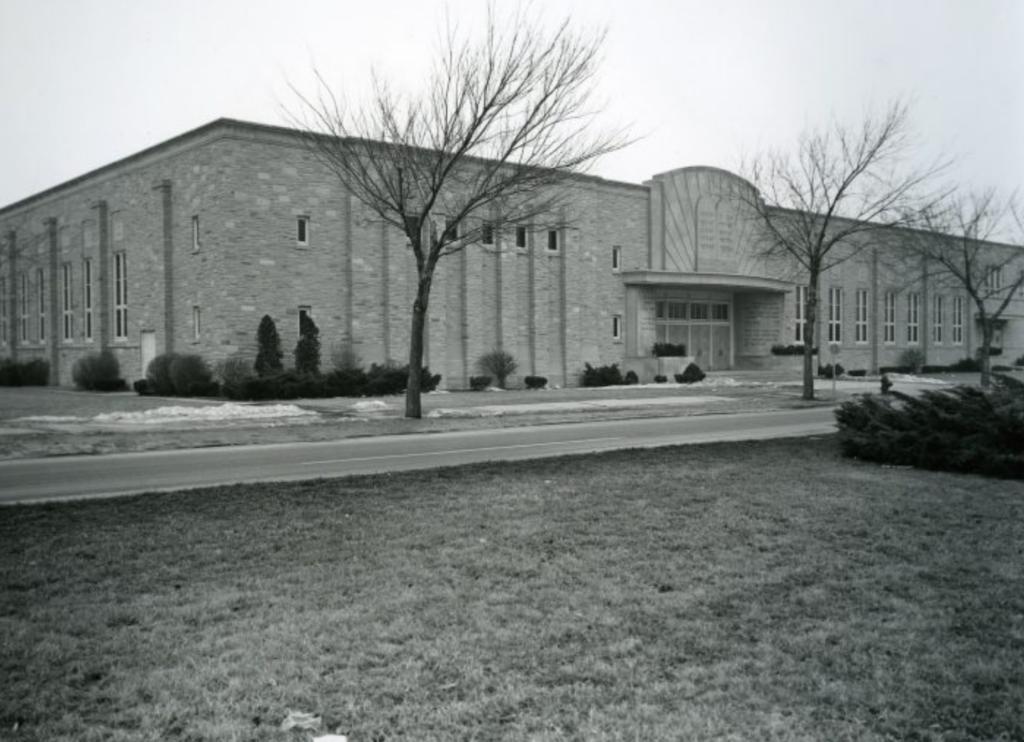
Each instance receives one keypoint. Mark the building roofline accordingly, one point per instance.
(198, 132)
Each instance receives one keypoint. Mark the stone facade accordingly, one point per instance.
(189, 243)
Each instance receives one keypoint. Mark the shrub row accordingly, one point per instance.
(790, 350)
(962, 429)
(379, 380)
(828, 371)
(601, 376)
(668, 349)
(178, 375)
(27, 373)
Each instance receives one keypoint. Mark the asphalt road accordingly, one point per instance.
(71, 477)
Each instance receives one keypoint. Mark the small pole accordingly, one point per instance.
(833, 349)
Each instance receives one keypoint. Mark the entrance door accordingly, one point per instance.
(148, 349)
(721, 347)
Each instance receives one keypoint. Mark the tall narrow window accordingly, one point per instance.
(860, 328)
(23, 301)
(520, 236)
(41, 291)
(87, 298)
(302, 231)
(958, 320)
(835, 315)
(452, 227)
(889, 323)
(197, 323)
(67, 313)
(994, 279)
(196, 244)
(801, 314)
(3, 310)
(937, 318)
(120, 296)
(913, 318)
(553, 240)
(487, 233)
(616, 327)
(616, 258)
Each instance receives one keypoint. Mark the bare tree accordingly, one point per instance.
(959, 242)
(497, 134)
(818, 205)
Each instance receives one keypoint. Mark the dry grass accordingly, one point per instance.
(733, 591)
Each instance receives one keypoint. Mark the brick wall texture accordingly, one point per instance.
(207, 227)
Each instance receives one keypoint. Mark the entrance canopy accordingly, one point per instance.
(706, 281)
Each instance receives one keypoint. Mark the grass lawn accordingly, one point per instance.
(762, 591)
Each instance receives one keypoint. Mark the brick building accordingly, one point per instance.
(186, 245)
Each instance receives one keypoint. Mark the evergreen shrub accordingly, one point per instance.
(601, 376)
(307, 350)
(269, 356)
(660, 379)
(158, 374)
(98, 372)
(857, 372)
(479, 383)
(631, 378)
(962, 429)
(535, 382)
(691, 375)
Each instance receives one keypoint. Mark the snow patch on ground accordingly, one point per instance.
(911, 379)
(229, 411)
(372, 405)
(710, 382)
(48, 419)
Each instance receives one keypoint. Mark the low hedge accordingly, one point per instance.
(535, 382)
(479, 383)
(791, 350)
(379, 380)
(828, 371)
(25, 373)
(668, 349)
(601, 375)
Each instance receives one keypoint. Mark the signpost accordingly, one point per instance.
(833, 349)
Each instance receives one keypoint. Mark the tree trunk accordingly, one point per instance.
(413, 405)
(810, 336)
(985, 358)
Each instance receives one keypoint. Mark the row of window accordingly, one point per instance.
(691, 311)
(862, 317)
(488, 236)
(120, 302)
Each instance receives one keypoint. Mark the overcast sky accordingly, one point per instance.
(85, 82)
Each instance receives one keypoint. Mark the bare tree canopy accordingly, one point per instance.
(974, 242)
(503, 124)
(817, 205)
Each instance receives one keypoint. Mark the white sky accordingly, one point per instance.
(85, 82)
